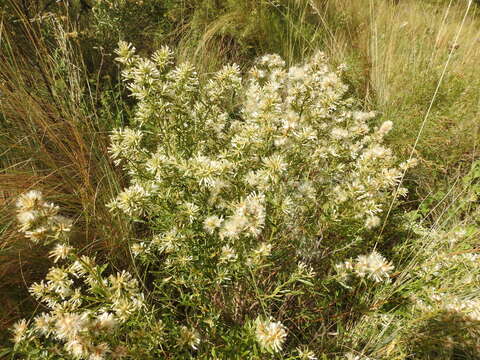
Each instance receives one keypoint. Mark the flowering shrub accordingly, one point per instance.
(225, 152)
(250, 188)
(250, 185)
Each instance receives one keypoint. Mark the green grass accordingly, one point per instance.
(403, 50)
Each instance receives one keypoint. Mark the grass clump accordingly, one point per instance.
(415, 63)
(53, 137)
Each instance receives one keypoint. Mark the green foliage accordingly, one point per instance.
(238, 225)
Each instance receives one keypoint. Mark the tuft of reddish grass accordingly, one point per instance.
(54, 139)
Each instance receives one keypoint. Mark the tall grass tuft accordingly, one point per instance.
(398, 52)
(52, 137)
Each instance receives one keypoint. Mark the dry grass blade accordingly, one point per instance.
(52, 139)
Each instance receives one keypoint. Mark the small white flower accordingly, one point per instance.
(385, 128)
(263, 250)
(296, 73)
(190, 210)
(123, 308)
(306, 354)
(270, 334)
(139, 249)
(59, 282)
(228, 254)
(339, 133)
(61, 251)
(26, 218)
(19, 331)
(131, 200)
(211, 223)
(78, 347)
(29, 201)
(275, 164)
(373, 266)
(44, 324)
(69, 325)
(372, 222)
(125, 52)
(106, 321)
(61, 224)
(38, 289)
(38, 234)
(233, 226)
(189, 337)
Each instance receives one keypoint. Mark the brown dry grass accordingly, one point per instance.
(52, 138)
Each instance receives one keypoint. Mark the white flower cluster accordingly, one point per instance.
(248, 218)
(270, 334)
(189, 337)
(229, 171)
(289, 143)
(39, 220)
(444, 301)
(125, 144)
(134, 200)
(372, 266)
(449, 275)
(438, 284)
(85, 307)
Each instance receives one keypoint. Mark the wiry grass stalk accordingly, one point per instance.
(53, 139)
(434, 96)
